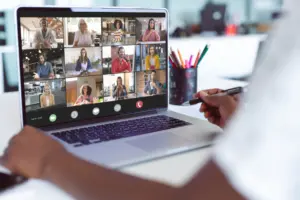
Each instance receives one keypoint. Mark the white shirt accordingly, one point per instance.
(84, 66)
(84, 39)
(260, 150)
(39, 39)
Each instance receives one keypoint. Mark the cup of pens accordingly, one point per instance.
(183, 76)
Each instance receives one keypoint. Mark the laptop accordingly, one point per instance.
(91, 88)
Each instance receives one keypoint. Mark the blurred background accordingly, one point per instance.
(235, 30)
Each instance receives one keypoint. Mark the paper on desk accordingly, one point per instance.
(260, 153)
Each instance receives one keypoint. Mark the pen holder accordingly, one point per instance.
(183, 85)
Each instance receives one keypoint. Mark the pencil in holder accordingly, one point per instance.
(183, 85)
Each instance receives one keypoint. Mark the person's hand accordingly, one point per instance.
(36, 76)
(30, 153)
(95, 100)
(126, 71)
(153, 84)
(217, 109)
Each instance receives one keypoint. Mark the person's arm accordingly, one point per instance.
(78, 66)
(157, 62)
(48, 160)
(51, 72)
(53, 99)
(147, 88)
(76, 39)
(78, 101)
(157, 37)
(158, 87)
(114, 66)
(125, 91)
(41, 101)
(128, 65)
(147, 62)
(115, 91)
(89, 65)
(146, 35)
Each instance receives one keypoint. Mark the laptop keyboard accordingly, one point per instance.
(117, 130)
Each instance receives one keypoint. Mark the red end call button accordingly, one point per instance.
(139, 104)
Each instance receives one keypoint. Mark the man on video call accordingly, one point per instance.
(121, 63)
(153, 86)
(44, 37)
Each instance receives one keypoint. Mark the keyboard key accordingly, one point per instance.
(101, 133)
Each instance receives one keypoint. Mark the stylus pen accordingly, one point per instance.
(231, 91)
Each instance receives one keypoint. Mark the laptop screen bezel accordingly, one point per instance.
(80, 11)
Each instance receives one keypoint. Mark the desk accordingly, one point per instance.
(186, 163)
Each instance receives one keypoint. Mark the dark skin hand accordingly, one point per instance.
(217, 109)
(33, 154)
(48, 160)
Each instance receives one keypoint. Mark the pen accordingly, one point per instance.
(190, 61)
(180, 57)
(197, 58)
(231, 91)
(175, 59)
(203, 54)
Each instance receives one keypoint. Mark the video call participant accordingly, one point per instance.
(86, 96)
(44, 37)
(153, 86)
(43, 69)
(152, 60)
(120, 92)
(151, 34)
(83, 37)
(121, 63)
(47, 98)
(83, 63)
(118, 33)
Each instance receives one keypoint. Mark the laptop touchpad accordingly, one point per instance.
(158, 142)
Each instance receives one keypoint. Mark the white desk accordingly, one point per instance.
(186, 164)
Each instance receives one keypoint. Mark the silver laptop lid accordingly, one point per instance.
(78, 64)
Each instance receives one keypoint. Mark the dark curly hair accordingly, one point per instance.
(89, 89)
(118, 21)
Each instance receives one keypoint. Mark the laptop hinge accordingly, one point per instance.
(99, 120)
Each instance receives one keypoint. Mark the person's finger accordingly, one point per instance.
(200, 94)
(207, 114)
(203, 107)
(215, 100)
(211, 119)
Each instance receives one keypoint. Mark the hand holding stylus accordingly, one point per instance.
(217, 106)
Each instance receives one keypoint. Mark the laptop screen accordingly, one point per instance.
(83, 64)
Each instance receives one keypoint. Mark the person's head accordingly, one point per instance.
(44, 23)
(119, 80)
(47, 89)
(86, 90)
(152, 51)
(82, 25)
(151, 24)
(41, 59)
(153, 75)
(83, 55)
(121, 52)
(118, 24)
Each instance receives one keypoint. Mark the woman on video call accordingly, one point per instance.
(83, 63)
(121, 63)
(118, 33)
(47, 98)
(119, 92)
(82, 38)
(85, 96)
(151, 34)
(152, 59)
